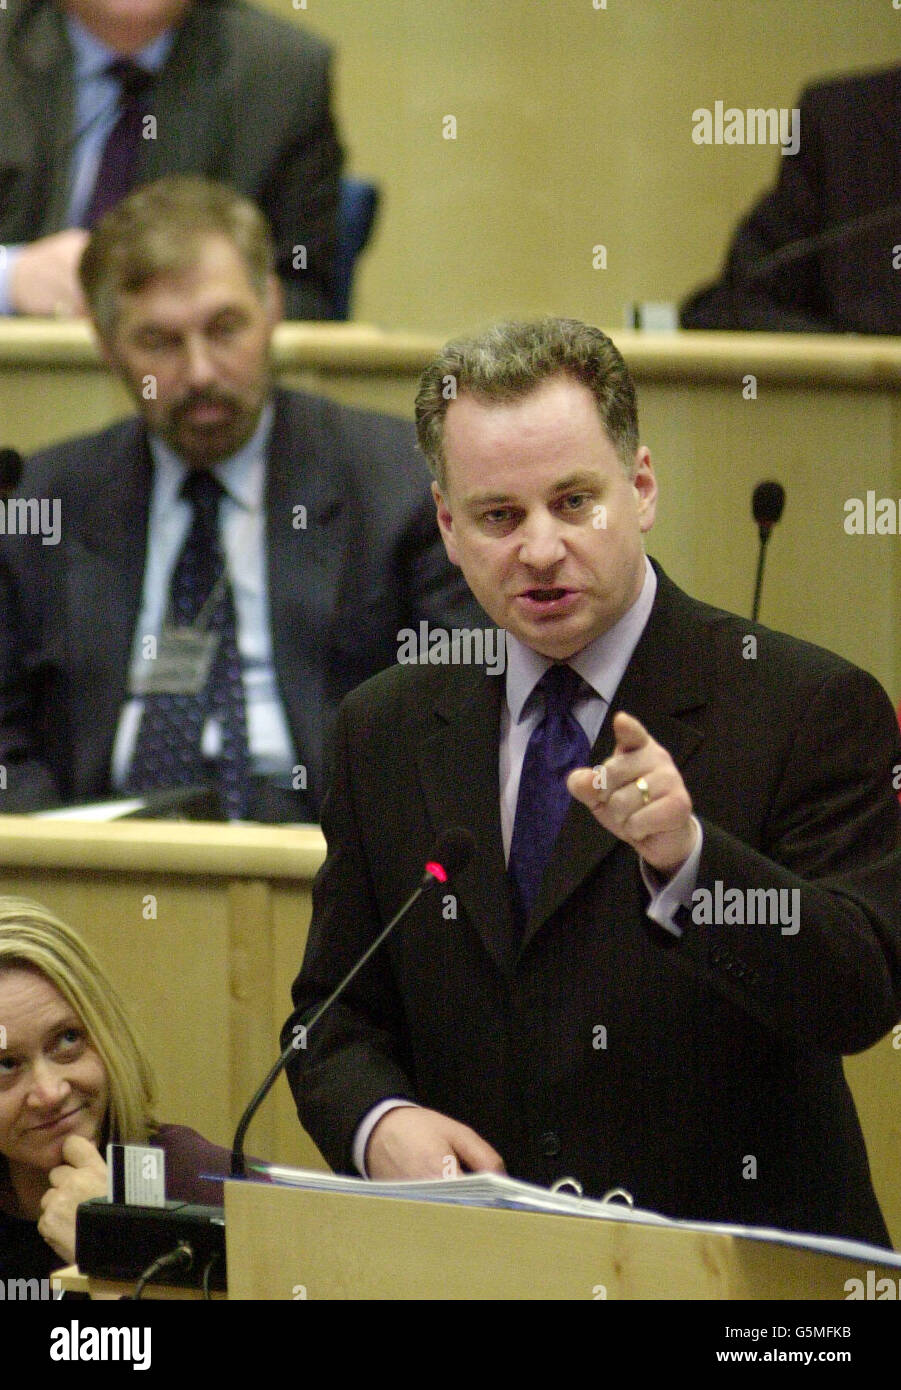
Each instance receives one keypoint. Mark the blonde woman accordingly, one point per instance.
(72, 1078)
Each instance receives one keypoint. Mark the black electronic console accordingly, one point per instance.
(115, 1241)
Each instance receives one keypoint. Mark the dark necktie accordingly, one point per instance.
(168, 750)
(119, 161)
(557, 745)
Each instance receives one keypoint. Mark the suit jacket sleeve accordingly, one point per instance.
(830, 838)
(270, 133)
(354, 1057)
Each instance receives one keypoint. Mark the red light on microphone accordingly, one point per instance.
(437, 871)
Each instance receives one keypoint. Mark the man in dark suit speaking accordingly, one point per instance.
(648, 983)
(228, 564)
(98, 97)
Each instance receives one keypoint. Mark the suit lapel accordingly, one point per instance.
(104, 579)
(458, 764)
(662, 684)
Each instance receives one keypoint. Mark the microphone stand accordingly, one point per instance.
(434, 874)
(761, 555)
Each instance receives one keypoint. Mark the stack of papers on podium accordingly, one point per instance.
(470, 1190)
(499, 1191)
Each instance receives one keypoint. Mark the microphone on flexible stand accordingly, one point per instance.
(452, 852)
(766, 505)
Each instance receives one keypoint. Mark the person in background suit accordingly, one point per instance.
(235, 94)
(281, 539)
(820, 253)
(73, 1078)
(646, 975)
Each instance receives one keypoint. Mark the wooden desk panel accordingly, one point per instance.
(282, 1243)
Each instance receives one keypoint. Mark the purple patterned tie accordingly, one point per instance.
(168, 750)
(558, 745)
(119, 161)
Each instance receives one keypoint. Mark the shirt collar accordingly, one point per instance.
(93, 57)
(242, 475)
(602, 664)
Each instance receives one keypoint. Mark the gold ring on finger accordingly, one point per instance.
(642, 786)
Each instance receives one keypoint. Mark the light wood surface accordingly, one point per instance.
(282, 1243)
(165, 847)
(814, 359)
(71, 1280)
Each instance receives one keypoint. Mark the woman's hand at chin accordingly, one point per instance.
(80, 1176)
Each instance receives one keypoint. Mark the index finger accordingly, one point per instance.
(630, 733)
(80, 1152)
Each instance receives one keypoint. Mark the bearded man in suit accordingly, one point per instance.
(603, 994)
(228, 563)
(100, 96)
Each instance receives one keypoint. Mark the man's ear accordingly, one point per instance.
(445, 524)
(644, 485)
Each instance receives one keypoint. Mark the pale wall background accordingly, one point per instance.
(573, 129)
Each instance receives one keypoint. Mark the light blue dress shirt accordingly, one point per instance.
(96, 110)
(242, 529)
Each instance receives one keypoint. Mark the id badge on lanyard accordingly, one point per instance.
(184, 656)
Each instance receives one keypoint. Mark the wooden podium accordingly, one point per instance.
(285, 1243)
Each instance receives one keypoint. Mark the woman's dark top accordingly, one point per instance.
(25, 1255)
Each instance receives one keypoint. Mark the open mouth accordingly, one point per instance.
(550, 600)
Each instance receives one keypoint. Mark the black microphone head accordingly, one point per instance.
(767, 503)
(10, 469)
(453, 850)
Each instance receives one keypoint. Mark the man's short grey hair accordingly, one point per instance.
(159, 230)
(509, 362)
